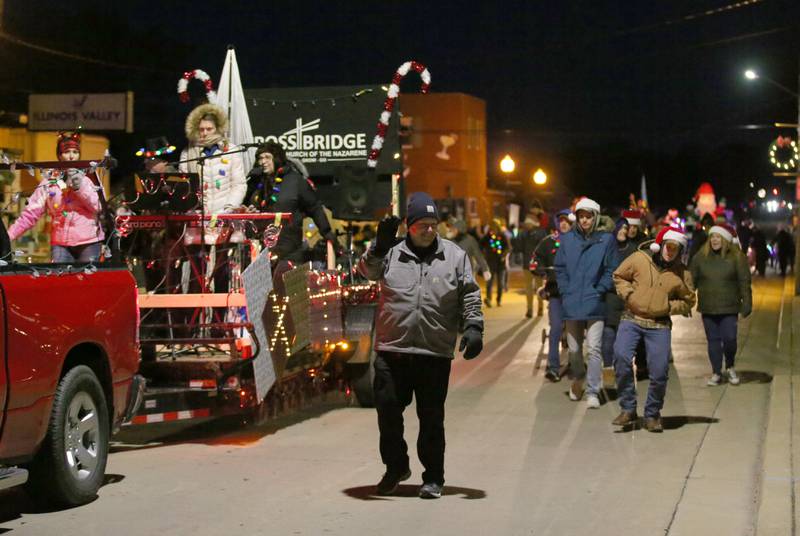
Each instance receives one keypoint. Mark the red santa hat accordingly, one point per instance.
(727, 232)
(66, 141)
(634, 217)
(669, 233)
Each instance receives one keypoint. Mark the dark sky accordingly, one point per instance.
(598, 89)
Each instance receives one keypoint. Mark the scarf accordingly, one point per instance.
(205, 149)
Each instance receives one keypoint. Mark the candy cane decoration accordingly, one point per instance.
(388, 105)
(197, 74)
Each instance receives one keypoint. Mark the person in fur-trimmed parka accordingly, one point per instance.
(223, 176)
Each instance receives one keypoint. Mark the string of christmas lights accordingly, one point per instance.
(784, 153)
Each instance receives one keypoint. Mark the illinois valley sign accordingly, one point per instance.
(92, 111)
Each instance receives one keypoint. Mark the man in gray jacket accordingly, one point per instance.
(427, 293)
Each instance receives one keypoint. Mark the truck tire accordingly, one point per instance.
(70, 465)
(362, 378)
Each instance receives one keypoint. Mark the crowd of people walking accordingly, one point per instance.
(611, 287)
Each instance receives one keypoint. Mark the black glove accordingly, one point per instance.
(471, 343)
(386, 235)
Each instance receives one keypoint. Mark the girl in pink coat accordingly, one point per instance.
(70, 198)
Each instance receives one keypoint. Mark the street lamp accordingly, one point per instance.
(540, 177)
(751, 74)
(507, 164)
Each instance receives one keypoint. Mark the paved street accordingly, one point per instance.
(521, 458)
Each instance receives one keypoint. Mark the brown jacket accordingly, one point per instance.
(651, 293)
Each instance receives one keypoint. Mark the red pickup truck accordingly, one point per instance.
(68, 362)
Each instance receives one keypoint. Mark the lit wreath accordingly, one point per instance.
(778, 150)
(197, 74)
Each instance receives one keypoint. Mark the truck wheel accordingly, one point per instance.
(362, 377)
(70, 466)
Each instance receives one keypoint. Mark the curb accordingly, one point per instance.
(777, 509)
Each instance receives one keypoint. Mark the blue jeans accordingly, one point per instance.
(555, 313)
(609, 336)
(82, 253)
(721, 334)
(594, 343)
(657, 342)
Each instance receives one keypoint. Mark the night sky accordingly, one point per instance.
(598, 91)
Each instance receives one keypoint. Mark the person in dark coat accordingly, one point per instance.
(721, 276)
(584, 265)
(785, 244)
(496, 248)
(614, 304)
(276, 185)
(759, 244)
(543, 265)
(700, 234)
(530, 237)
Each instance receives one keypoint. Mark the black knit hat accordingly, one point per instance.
(420, 205)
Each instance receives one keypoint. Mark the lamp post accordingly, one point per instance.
(507, 164)
(751, 74)
(540, 177)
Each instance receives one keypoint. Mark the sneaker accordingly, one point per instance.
(714, 380)
(592, 401)
(553, 376)
(653, 424)
(576, 390)
(390, 481)
(733, 378)
(430, 490)
(625, 418)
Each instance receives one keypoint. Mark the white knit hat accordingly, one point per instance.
(587, 204)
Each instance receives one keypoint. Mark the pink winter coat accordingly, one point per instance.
(73, 213)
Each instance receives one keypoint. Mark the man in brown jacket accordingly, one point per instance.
(653, 286)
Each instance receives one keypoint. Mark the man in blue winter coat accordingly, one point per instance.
(584, 266)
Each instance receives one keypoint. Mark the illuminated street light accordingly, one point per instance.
(750, 74)
(762, 193)
(540, 177)
(507, 164)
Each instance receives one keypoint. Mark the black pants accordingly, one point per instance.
(397, 377)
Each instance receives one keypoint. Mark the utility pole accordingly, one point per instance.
(796, 266)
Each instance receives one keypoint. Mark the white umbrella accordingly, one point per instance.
(231, 97)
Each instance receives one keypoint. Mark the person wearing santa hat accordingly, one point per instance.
(70, 198)
(542, 265)
(584, 264)
(653, 285)
(721, 274)
(635, 221)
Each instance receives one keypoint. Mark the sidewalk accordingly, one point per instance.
(739, 445)
(778, 514)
